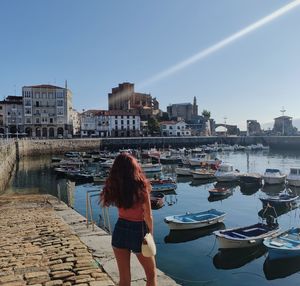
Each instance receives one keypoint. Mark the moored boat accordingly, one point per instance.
(283, 199)
(203, 173)
(226, 173)
(149, 167)
(293, 178)
(163, 185)
(248, 236)
(195, 220)
(182, 171)
(220, 191)
(273, 177)
(284, 245)
(250, 179)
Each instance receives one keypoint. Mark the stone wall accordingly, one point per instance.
(7, 162)
(59, 146)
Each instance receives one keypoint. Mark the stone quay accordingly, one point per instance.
(46, 243)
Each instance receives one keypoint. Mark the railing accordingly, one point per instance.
(89, 212)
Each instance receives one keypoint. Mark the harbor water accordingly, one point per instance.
(191, 257)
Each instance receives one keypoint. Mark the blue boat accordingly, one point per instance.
(284, 245)
(283, 199)
(163, 185)
(195, 220)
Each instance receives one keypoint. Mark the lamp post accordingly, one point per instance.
(225, 118)
(282, 111)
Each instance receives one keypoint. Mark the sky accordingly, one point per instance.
(97, 44)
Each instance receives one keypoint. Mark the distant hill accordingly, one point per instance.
(267, 125)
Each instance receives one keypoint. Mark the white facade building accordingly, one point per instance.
(47, 111)
(115, 123)
(174, 128)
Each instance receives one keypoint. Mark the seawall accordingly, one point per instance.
(7, 162)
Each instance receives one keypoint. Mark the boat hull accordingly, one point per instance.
(274, 180)
(235, 238)
(293, 182)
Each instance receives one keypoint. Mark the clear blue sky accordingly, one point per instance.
(97, 44)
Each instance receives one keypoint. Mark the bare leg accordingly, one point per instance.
(149, 266)
(123, 261)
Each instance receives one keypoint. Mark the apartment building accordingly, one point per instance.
(47, 111)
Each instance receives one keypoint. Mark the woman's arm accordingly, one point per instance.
(148, 212)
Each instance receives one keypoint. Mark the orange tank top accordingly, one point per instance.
(136, 213)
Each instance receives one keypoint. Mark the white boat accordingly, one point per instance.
(273, 177)
(181, 171)
(293, 178)
(226, 173)
(244, 237)
(203, 174)
(149, 167)
(194, 220)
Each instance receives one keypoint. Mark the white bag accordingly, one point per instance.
(148, 246)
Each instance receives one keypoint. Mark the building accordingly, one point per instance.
(115, 123)
(124, 124)
(47, 111)
(76, 122)
(185, 111)
(283, 126)
(174, 128)
(95, 123)
(125, 98)
(11, 116)
(253, 128)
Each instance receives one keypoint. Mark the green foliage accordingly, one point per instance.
(206, 113)
(153, 126)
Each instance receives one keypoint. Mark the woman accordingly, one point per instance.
(128, 189)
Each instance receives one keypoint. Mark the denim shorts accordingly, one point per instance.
(129, 235)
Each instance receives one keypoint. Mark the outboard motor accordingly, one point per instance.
(271, 221)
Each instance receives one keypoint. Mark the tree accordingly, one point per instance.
(153, 126)
(206, 114)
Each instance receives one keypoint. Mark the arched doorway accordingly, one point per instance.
(45, 132)
(51, 132)
(28, 131)
(38, 132)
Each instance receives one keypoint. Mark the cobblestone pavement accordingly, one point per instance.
(38, 248)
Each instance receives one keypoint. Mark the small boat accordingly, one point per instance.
(220, 191)
(284, 245)
(293, 179)
(250, 179)
(283, 199)
(149, 167)
(163, 185)
(203, 173)
(226, 173)
(248, 236)
(181, 171)
(195, 220)
(273, 176)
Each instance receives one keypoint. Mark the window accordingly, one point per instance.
(37, 120)
(116, 122)
(127, 122)
(37, 104)
(51, 120)
(133, 122)
(122, 121)
(28, 120)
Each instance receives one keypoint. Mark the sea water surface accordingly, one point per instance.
(191, 257)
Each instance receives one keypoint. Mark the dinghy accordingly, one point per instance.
(195, 220)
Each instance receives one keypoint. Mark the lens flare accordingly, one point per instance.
(214, 48)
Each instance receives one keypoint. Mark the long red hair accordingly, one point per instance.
(126, 183)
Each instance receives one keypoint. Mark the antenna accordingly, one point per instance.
(282, 110)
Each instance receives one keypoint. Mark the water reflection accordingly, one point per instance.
(275, 269)
(236, 258)
(197, 183)
(213, 198)
(249, 190)
(178, 236)
(273, 190)
(170, 198)
(276, 211)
